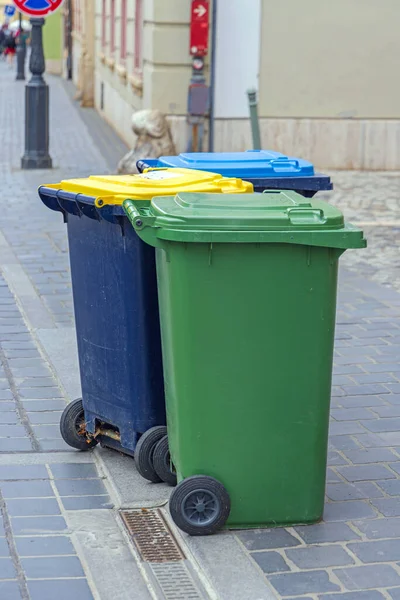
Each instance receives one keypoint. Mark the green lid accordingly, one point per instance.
(274, 216)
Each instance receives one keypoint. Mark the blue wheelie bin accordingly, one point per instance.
(265, 169)
(115, 300)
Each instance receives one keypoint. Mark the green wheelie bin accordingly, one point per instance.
(247, 290)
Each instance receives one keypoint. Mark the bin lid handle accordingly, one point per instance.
(304, 216)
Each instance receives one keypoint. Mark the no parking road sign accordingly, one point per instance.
(38, 8)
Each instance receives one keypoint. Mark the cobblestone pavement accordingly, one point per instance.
(38, 559)
(354, 553)
(372, 199)
(47, 490)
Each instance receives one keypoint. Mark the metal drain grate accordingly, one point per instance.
(152, 536)
(176, 582)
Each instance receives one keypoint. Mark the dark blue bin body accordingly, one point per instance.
(116, 314)
(265, 169)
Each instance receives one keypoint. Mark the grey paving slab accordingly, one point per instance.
(392, 487)
(266, 539)
(62, 589)
(343, 442)
(26, 489)
(12, 431)
(350, 491)
(9, 590)
(337, 428)
(32, 507)
(47, 431)
(362, 595)
(360, 401)
(81, 487)
(87, 502)
(387, 411)
(38, 525)
(346, 511)
(74, 471)
(55, 444)
(382, 425)
(311, 582)
(378, 551)
(370, 455)
(396, 465)
(27, 383)
(390, 438)
(4, 548)
(316, 557)
(9, 418)
(334, 458)
(352, 414)
(370, 440)
(44, 405)
(326, 532)
(16, 472)
(332, 477)
(15, 445)
(366, 473)
(7, 570)
(367, 577)
(270, 562)
(52, 567)
(379, 528)
(44, 545)
(44, 417)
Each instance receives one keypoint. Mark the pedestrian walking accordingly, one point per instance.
(3, 38)
(10, 48)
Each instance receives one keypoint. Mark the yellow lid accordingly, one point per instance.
(114, 189)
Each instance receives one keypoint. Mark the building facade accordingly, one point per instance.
(324, 72)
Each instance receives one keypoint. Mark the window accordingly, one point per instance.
(77, 16)
(112, 27)
(104, 24)
(123, 30)
(138, 35)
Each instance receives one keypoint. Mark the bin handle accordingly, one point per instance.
(139, 216)
(304, 216)
(283, 161)
(101, 201)
(233, 184)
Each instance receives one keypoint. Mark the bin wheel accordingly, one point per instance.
(145, 450)
(200, 505)
(162, 462)
(72, 427)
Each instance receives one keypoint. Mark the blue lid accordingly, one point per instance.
(253, 163)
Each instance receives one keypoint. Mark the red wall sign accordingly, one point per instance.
(38, 8)
(199, 26)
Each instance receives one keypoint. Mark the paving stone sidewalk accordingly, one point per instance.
(53, 500)
(355, 551)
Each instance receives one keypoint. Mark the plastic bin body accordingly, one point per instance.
(115, 301)
(247, 321)
(117, 335)
(265, 169)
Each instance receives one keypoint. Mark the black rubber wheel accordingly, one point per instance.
(162, 462)
(200, 505)
(144, 452)
(72, 427)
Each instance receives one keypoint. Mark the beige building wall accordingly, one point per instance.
(325, 71)
(327, 86)
(162, 81)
